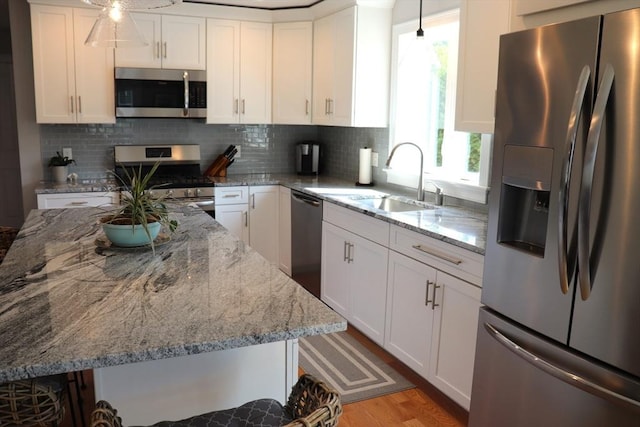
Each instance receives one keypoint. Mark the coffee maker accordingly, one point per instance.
(307, 158)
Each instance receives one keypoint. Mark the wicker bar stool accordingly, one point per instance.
(33, 402)
(310, 404)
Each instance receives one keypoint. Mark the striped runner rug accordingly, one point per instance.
(345, 364)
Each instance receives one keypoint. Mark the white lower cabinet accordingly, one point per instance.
(409, 315)
(251, 214)
(454, 338)
(264, 202)
(354, 270)
(78, 200)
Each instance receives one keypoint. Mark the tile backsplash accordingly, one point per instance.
(265, 148)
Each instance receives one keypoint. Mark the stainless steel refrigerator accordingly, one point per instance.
(559, 336)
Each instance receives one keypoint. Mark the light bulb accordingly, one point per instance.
(115, 13)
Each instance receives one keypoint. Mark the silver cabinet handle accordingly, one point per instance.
(230, 196)
(71, 104)
(433, 296)
(79, 203)
(157, 54)
(564, 375)
(438, 254)
(351, 246)
(330, 106)
(243, 105)
(306, 107)
(426, 299)
(326, 106)
(567, 267)
(185, 81)
(235, 108)
(346, 257)
(164, 54)
(79, 104)
(584, 205)
(246, 219)
(253, 201)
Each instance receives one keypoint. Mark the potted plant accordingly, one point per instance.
(58, 165)
(138, 219)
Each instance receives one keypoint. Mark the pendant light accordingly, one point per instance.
(420, 32)
(115, 28)
(133, 4)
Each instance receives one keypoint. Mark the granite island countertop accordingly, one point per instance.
(460, 226)
(70, 302)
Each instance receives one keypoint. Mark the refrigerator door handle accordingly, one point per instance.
(558, 372)
(584, 207)
(567, 270)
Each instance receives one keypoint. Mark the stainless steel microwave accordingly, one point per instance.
(149, 92)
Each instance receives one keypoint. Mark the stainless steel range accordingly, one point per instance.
(178, 175)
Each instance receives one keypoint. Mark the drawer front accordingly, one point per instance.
(77, 200)
(232, 195)
(451, 259)
(357, 223)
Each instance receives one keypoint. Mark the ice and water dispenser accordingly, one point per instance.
(524, 202)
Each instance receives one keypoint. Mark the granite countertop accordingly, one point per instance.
(460, 226)
(81, 186)
(68, 302)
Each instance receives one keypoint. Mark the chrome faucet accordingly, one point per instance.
(420, 192)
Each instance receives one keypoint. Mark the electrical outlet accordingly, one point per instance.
(66, 152)
(239, 152)
(374, 159)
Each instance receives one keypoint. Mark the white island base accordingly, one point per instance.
(180, 387)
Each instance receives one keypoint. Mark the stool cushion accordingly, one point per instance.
(258, 413)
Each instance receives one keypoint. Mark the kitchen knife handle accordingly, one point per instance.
(584, 206)
(566, 270)
(571, 378)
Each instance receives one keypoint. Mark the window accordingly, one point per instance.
(424, 73)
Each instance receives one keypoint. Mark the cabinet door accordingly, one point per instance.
(263, 220)
(335, 276)
(341, 104)
(234, 218)
(481, 24)
(146, 56)
(76, 200)
(256, 43)
(368, 287)
(323, 58)
(223, 71)
(454, 338)
(292, 60)
(94, 73)
(284, 228)
(53, 63)
(183, 42)
(409, 316)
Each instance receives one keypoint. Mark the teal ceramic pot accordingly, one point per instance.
(126, 236)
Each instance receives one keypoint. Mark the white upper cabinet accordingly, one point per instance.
(175, 42)
(292, 72)
(481, 24)
(73, 82)
(351, 54)
(239, 58)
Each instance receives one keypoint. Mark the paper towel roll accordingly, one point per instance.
(364, 175)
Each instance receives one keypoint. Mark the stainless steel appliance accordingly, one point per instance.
(307, 158)
(306, 240)
(149, 92)
(557, 341)
(178, 175)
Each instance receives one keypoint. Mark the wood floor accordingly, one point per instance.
(423, 406)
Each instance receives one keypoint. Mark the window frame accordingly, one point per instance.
(458, 188)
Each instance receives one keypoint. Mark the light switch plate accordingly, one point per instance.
(66, 152)
(374, 159)
(239, 153)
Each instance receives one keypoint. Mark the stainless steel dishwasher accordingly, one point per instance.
(306, 240)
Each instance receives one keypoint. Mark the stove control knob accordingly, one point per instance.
(169, 193)
(187, 192)
(198, 191)
(151, 193)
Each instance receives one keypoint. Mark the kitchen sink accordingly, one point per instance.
(391, 204)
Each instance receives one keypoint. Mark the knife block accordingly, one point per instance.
(218, 167)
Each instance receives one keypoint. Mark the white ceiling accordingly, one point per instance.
(261, 4)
